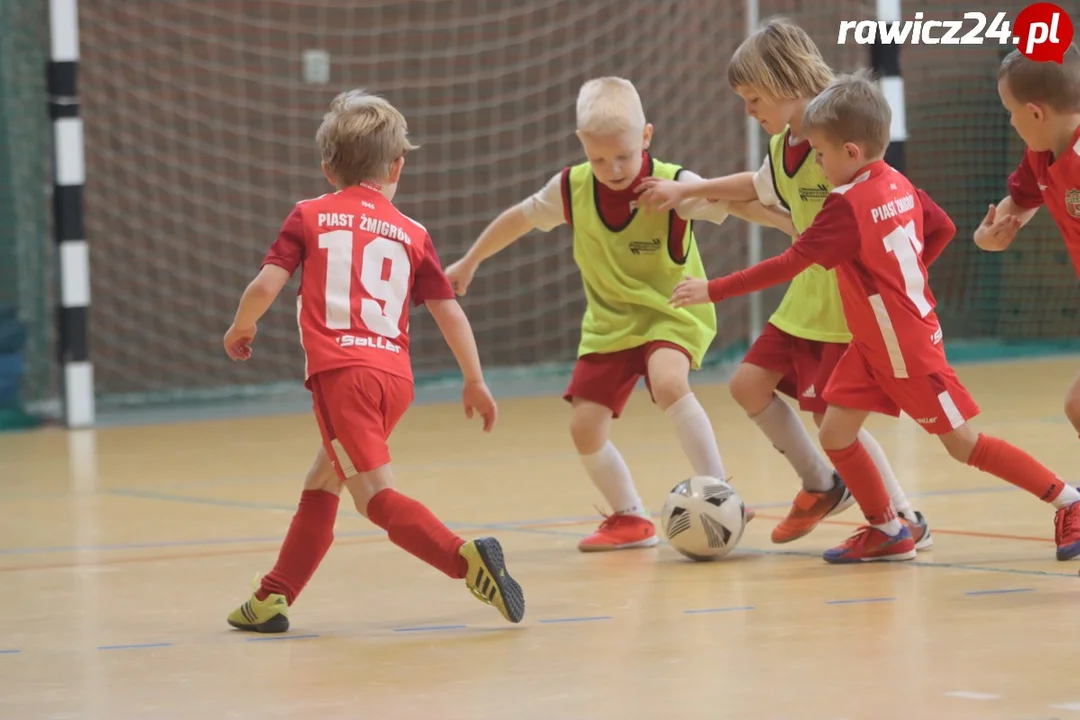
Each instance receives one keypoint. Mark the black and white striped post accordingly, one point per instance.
(885, 62)
(72, 251)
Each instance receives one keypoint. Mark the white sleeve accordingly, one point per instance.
(763, 184)
(700, 208)
(544, 209)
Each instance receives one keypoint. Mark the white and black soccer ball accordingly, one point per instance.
(703, 518)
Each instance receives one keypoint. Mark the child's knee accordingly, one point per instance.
(364, 486)
(752, 388)
(669, 389)
(589, 427)
(960, 443)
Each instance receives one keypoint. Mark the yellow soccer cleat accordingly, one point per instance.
(262, 616)
(488, 580)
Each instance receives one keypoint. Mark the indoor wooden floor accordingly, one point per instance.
(121, 552)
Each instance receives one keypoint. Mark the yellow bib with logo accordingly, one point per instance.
(630, 272)
(811, 308)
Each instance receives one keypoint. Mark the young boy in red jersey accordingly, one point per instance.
(881, 234)
(363, 261)
(1043, 100)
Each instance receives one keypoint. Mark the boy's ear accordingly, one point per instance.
(395, 170)
(646, 136)
(1036, 111)
(327, 174)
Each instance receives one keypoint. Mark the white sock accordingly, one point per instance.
(896, 493)
(788, 435)
(696, 436)
(1066, 497)
(609, 473)
(890, 528)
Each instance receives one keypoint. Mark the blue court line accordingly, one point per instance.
(856, 601)
(429, 628)
(270, 638)
(718, 610)
(9, 652)
(575, 619)
(195, 500)
(136, 646)
(999, 592)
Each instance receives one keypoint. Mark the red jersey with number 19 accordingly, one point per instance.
(362, 262)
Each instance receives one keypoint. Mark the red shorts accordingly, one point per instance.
(357, 408)
(938, 402)
(806, 365)
(608, 378)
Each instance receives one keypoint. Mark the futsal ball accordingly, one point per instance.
(703, 518)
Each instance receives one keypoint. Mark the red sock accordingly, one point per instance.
(415, 529)
(310, 536)
(1010, 463)
(863, 479)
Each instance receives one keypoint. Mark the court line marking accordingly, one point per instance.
(10, 652)
(365, 539)
(551, 621)
(705, 611)
(1075, 706)
(511, 525)
(967, 695)
(999, 592)
(429, 628)
(856, 601)
(135, 646)
(281, 637)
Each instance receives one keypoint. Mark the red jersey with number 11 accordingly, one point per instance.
(881, 233)
(362, 262)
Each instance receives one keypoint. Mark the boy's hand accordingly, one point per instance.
(660, 195)
(997, 231)
(691, 291)
(460, 275)
(238, 342)
(476, 397)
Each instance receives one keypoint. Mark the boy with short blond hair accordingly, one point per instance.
(630, 259)
(881, 234)
(363, 261)
(777, 71)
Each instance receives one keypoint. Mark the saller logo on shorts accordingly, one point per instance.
(1072, 202)
(378, 342)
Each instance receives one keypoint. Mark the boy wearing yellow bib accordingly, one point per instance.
(777, 71)
(630, 261)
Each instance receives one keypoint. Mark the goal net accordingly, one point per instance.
(200, 119)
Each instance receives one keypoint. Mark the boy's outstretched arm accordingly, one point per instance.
(544, 210)
(769, 216)
(256, 300)
(833, 238)
(998, 229)
(663, 195)
(457, 331)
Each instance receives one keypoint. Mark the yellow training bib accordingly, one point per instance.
(811, 307)
(630, 272)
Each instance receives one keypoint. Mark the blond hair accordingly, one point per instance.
(780, 61)
(609, 106)
(1044, 83)
(852, 109)
(361, 136)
